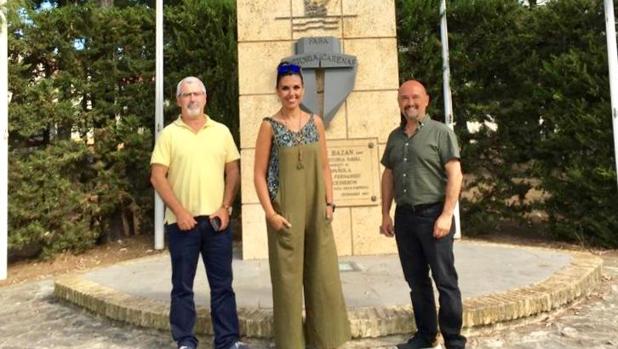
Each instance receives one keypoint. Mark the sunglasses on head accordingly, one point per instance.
(288, 68)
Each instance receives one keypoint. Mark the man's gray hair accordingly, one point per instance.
(189, 80)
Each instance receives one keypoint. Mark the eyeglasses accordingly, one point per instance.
(194, 94)
(288, 68)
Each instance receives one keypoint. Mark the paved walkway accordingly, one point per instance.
(498, 283)
(367, 280)
(30, 317)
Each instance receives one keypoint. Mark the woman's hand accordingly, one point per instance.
(329, 212)
(278, 222)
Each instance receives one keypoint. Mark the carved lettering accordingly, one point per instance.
(355, 172)
(318, 41)
(340, 152)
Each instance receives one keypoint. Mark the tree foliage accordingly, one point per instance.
(575, 157)
(207, 51)
(540, 75)
(533, 78)
(81, 114)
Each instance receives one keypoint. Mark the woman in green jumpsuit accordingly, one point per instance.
(293, 182)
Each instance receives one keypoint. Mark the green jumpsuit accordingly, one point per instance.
(305, 254)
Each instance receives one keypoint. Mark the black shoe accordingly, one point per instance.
(418, 342)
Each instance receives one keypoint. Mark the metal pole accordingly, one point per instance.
(448, 103)
(4, 149)
(159, 208)
(612, 62)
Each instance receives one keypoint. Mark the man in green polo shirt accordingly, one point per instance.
(423, 174)
(195, 171)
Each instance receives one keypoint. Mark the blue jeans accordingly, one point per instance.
(216, 249)
(419, 252)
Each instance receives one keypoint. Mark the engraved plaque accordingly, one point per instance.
(355, 170)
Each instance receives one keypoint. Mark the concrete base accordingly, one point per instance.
(498, 282)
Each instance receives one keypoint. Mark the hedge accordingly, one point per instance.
(81, 78)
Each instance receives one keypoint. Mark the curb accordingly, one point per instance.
(578, 279)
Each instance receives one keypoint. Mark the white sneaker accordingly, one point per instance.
(240, 345)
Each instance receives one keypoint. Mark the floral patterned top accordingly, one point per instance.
(284, 137)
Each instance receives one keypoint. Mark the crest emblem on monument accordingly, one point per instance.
(328, 74)
(315, 8)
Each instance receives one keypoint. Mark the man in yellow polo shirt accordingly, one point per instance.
(195, 171)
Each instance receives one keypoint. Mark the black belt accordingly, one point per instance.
(421, 207)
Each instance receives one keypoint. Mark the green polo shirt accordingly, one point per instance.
(418, 162)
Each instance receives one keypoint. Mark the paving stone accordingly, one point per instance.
(31, 318)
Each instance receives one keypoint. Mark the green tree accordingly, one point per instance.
(81, 79)
(490, 57)
(538, 73)
(82, 110)
(200, 40)
(576, 157)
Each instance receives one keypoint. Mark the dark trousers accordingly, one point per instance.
(419, 252)
(216, 249)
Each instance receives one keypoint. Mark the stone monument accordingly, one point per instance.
(348, 51)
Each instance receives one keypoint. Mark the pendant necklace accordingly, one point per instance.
(298, 141)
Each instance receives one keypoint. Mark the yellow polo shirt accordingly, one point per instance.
(196, 164)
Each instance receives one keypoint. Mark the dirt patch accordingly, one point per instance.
(534, 233)
(107, 254)
(103, 255)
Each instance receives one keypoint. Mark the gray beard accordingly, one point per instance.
(194, 112)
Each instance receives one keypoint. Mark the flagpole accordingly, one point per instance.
(159, 208)
(612, 62)
(446, 82)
